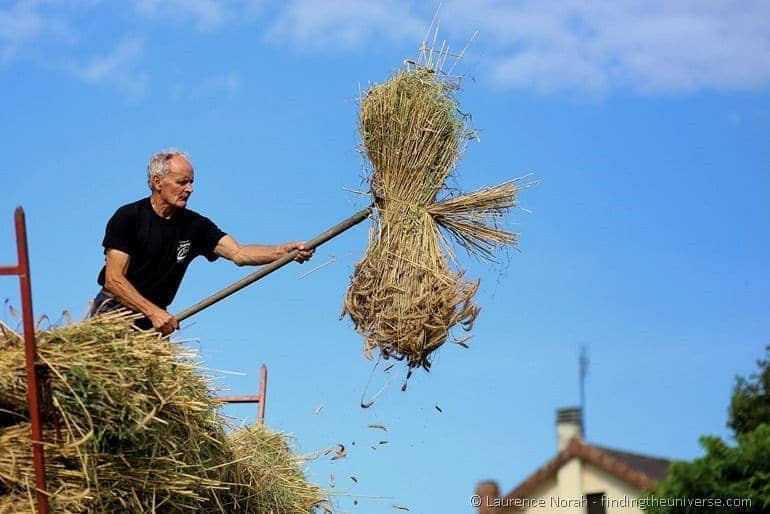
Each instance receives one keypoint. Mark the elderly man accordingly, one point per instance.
(148, 245)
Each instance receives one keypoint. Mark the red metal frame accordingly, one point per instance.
(259, 398)
(30, 353)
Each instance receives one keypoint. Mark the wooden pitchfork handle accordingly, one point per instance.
(269, 268)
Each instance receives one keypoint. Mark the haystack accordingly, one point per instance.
(131, 426)
(266, 476)
(408, 292)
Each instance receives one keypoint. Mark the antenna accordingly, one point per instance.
(583, 364)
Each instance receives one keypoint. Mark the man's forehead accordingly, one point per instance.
(179, 165)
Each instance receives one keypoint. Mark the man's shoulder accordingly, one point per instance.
(129, 212)
(193, 216)
(122, 226)
(132, 208)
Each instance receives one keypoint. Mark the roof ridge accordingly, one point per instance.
(635, 454)
(597, 455)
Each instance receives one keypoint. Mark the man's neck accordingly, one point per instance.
(161, 208)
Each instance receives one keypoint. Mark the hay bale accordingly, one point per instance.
(143, 422)
(17, 473)
(267, 476)
(405, 296)
(131, 425)
(16, 502)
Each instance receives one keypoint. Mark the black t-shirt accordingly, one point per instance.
(160, 249)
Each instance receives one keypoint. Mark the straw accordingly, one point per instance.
(131, 426)
(405, 295)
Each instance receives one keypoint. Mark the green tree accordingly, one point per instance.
(750, 405)
(726, 473)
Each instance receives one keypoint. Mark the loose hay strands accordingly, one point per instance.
(70, 490)
(404, 297)
(267, 476)
(131, 425)
(473, 219)
(14, 503)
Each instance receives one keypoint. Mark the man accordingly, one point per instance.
(148, 245)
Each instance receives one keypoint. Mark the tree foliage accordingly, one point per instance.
(726, 473)
(750, 405)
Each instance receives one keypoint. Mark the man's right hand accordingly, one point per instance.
(163, 322)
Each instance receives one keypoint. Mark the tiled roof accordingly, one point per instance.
(654, 467)
(639, 470)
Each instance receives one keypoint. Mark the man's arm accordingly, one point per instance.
(116, 283)
(256, 255)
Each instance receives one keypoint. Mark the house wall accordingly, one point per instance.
(561, 494)
(565, 493)
(541, 496)
(620, 494)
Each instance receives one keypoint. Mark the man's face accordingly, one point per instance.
(176, 187)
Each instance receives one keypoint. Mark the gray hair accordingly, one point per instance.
(159, 163)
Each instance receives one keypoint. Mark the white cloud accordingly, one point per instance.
(345, 23)
(119, 68)
(205, 14)
(579, 45)
(22, 23)
(593, 46)
(648, 46)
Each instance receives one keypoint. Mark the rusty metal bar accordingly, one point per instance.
(269, 268)
(259, 398)
(30, 354)
(262, 394)
(239, 399)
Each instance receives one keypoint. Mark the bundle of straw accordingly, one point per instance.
(131, 426)
(405, 296)
(15, 503)
(266, 475)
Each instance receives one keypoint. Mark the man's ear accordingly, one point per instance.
(156, 182)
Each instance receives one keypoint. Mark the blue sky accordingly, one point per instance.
(647, 238)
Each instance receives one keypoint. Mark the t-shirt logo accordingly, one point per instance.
(182, 250)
